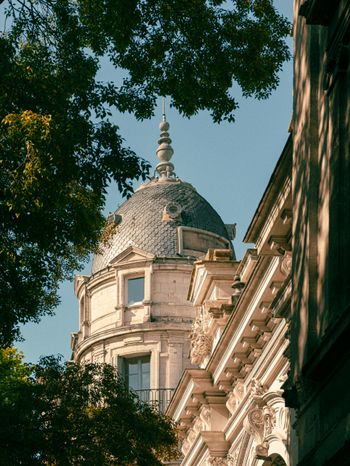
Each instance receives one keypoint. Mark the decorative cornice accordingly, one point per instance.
(145, 327)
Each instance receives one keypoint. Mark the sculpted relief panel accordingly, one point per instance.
(201, 342)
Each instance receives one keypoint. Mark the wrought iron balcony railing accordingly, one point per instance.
(159, 398)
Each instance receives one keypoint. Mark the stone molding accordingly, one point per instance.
(217, 461)
(280, 244)
(267, 419)
(216, 443)
(201, 418)
(218, 309)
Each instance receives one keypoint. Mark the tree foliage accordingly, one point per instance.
(71, 414)
(59, 148)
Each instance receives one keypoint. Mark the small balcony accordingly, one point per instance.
(158, 398)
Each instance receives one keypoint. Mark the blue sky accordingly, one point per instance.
(229, 164)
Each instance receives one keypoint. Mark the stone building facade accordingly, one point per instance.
(250, 357)
(320, 364)
(191, 329)
(133, 309)
(230, 409)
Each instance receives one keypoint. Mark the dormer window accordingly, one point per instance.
(135, 290)
(196, 242)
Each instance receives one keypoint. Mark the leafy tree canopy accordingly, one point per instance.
(60, 414)
(59, 149)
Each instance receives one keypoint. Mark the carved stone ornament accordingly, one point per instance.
(257, 389)
(232, 459)
(198, 426)
(201, 348)
(172, 211)
(192, 434)
(260, 421)
(217, 461)
(185, 446)
(254, 425)
(201, 343)
(205, 415)
(231, 403)
(239, 391)
(286, 264)
(235, 397)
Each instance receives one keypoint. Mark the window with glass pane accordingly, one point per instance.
(137, 371)
(136, 290)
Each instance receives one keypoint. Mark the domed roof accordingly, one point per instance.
(151, 218)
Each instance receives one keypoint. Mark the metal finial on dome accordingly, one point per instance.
(163, 109)
(164, 151)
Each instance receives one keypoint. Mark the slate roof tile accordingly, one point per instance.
(143, 227)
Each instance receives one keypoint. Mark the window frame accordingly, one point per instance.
(126, 290)
(122, 368)
(140, 360)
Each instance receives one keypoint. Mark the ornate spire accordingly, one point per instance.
(164, 152)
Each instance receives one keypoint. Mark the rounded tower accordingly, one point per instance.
(133, 308)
